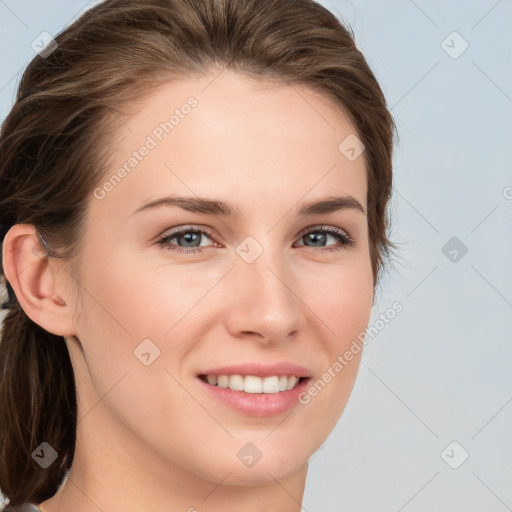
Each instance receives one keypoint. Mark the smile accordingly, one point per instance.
(253, 383)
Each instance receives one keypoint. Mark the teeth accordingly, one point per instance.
(270, 384)
(253, 384)
(235, 382)
(291, 382)
(223, 381)
(212, 379)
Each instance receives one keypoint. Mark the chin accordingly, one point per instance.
(264, 473)
(259, 463)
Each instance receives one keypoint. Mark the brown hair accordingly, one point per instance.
(53, 155)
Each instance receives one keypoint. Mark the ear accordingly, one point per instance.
(46, 300)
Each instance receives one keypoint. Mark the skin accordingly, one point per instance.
(150, 434)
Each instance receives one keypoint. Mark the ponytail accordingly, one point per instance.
(37, 405)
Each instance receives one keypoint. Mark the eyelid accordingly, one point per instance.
(185, 229)
(323, 227)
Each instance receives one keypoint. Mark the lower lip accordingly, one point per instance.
(257, 404)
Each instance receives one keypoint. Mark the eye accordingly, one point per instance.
(192, 238)
(320, 234)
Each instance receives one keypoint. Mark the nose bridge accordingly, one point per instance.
(264, 299)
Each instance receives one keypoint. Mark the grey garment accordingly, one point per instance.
(25, 507)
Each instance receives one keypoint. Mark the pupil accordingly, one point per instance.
(194, 236)
(316, 237)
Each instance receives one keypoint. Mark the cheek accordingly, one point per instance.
(134, 303)
(132, 311)
(341, 296)
(343, 306)
(127, 313)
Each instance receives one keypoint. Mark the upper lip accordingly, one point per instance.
(259, 370)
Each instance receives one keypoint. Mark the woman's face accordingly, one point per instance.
(263, 286)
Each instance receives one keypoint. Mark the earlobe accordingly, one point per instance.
(32, 277)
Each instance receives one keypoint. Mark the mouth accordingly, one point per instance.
(252, 384)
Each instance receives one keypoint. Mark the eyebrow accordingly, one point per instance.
(223, 209)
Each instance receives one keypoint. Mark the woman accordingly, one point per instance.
(194, 202)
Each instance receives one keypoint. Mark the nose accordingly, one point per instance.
(264, 301)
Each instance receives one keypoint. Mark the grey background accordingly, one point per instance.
(440, 370)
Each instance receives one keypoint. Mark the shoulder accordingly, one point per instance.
(25, 507)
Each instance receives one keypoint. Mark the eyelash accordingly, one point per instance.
(342, 236)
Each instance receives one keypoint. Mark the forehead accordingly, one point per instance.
(226, 133)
